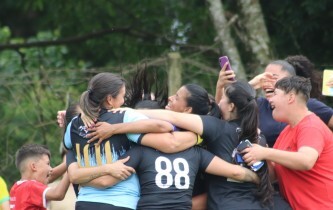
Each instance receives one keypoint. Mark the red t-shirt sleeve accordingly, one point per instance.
(311, 137)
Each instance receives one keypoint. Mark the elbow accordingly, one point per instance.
(238, 175)
(74, 178)
(306, 166)
(103, 183)
(59, 196)
(164, 126)
(172, 145)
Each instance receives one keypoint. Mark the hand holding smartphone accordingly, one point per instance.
(245, 144)
(223, 60)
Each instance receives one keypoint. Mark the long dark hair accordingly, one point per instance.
(243, 96)
(99, 87)
(144, 84)
(200, 101)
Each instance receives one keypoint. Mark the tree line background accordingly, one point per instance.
(49, 49)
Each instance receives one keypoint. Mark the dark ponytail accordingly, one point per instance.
(100, 86)
(200, 102)
(243, 96)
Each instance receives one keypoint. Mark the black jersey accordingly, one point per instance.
(109, 150)
(167, 180)
(223, 193)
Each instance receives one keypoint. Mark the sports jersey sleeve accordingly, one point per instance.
(211, 128)
(205, 158)
(323, 111)
(67, 137)
(132, 116)
(4, 196)
(135, 154)
(70, 157)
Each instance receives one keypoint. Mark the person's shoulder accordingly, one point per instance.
(314, 103)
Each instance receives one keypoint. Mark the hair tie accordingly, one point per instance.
(250, 98)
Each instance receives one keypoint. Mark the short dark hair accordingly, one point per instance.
(298, 84)
(285, 66)
(30, 151)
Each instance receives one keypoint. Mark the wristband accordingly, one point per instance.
(199, 140)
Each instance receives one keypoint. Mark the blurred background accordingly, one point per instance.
(49, 49)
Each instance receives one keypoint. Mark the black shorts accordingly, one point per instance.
(84, 205)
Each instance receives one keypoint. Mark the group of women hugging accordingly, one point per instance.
(181, 152)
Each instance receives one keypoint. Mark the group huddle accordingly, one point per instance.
(186, 154)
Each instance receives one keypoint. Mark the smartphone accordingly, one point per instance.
(243, 145)
(223, 60)
(327, 91)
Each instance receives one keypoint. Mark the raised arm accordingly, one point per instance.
(58, 192)
(223, 80)
(259, 81)
(58, 171)
(220, 167)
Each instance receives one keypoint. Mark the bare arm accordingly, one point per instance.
(303, 159)
(271, 169)
(190, 122)
(220, 167)
(5, 205)
(199, 202)
(102, 182)
(258, 81)
(103, 130)
(58, 192)
(58, 171)
(223, 80)
(170, 142)
(117, 169)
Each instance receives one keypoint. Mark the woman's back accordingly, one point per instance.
(222, 138)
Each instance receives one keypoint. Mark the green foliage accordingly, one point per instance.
(38, 81)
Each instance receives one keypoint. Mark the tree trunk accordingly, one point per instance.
(256, 32)
(175, 72)
(224, 36)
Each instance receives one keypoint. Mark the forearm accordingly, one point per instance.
(271, 169)
(220, 167)
(199, 202)
(170, 142)
(190, 122)
(58, 171)
(102, 182)
(59, 192)
(292, 160)
(5, 205)
(249, 176)
(143, 126)
(79, 175)
(218, 93)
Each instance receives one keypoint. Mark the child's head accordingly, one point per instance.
(33, 161)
